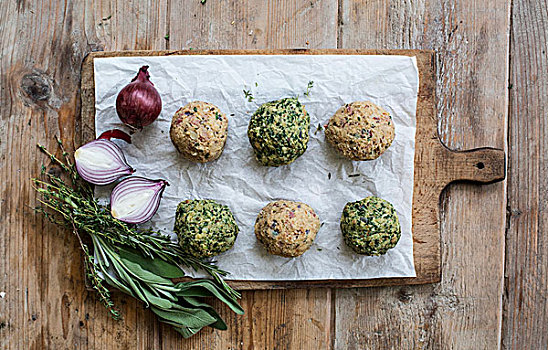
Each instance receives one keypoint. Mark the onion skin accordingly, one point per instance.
(115, 134)
(138, 104)
(143, 207)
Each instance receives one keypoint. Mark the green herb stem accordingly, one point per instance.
(132, 260)
(308, 88)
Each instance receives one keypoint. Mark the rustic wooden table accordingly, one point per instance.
(492, 77)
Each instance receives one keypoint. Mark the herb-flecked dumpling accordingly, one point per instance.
(278, 131)
(370, 226)
(360, 130)
(198, 131)
(287, 228)
(204, 227)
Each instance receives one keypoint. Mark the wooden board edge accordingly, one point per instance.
(375, 282)
(402, 52)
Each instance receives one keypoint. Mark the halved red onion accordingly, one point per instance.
(136, 199)
(101, 161)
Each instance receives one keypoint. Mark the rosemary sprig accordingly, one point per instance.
(140, 263)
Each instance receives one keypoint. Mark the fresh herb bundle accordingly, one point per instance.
(141, 263)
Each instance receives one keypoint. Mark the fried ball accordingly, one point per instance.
(204, 227)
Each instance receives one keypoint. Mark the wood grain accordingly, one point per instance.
(254, 24)
(526, 308)
(40, 54)
(464, 310)
(42, 47)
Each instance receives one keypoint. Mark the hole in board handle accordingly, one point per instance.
(480, 165)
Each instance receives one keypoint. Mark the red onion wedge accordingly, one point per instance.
(136, 199)
(138, 104)
(115, 134)
(101, 161)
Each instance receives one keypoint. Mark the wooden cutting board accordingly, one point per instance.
(435, 165)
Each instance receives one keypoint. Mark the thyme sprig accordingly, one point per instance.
(96, 281)
(141, 263)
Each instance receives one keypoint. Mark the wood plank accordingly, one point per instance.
(526, 309)
(261, 24)
(123, 25)
(464, 310)
(46, 304)
(253, 24)
(37, 100)
(40, 264)
(435, 165)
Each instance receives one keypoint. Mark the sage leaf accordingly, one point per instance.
(187, 332)
(157, 301)
(166, 294)
(195, 318)
(164, 287)
(144, 275)
(114, 282)
(189, 289)
(176, 325)
(101, 256)
(195, 291)
(219, 324)
(121, 272)
(157, 266)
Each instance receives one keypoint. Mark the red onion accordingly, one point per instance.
(115, 134)
(136, 199)
(101, 161)
(139, 104)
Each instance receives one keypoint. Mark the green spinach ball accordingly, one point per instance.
(278, 131)
(370, 226)
(205, 228)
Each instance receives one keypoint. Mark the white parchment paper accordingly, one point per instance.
(320, 177)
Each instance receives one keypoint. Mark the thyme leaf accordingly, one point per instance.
(308, 88)
(248, 95)
(318, 128)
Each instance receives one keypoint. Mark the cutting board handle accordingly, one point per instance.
(485, 165)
